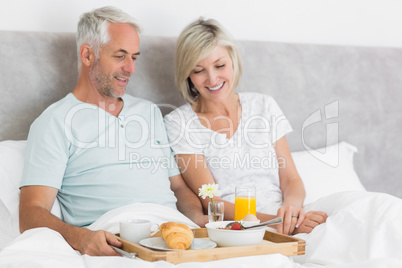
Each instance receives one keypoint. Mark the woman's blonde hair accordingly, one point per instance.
(194, 44)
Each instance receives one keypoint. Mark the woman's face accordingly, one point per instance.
(213, 76)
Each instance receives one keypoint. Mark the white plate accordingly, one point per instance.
(160, 244)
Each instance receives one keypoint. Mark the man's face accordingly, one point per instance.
(111, 72)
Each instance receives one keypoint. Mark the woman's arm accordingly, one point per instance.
(292, 189)
(293, 193)
(290, 182)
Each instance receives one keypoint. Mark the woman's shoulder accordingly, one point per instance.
(179, 113)
(256, 96)
(257, 103)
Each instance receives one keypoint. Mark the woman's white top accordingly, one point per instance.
(248, 157)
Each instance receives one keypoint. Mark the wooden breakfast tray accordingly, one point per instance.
(272, 243)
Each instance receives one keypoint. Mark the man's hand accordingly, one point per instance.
(312, 219)
(96, 243)
(201, 220)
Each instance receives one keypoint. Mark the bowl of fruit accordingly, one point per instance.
(231, 234)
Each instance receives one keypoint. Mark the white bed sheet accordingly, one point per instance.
(362, 231)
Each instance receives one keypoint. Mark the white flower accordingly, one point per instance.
(209, 190)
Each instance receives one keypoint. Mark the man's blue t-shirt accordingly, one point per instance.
(97, 161)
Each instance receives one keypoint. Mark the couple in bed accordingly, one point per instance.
(80, 150)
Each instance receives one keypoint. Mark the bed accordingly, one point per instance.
(341, 101)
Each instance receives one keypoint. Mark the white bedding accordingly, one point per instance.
(363, 230)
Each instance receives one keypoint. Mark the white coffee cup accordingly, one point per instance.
(135, 230)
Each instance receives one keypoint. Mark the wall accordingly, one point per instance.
(342, 22)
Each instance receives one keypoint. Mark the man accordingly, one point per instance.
(93, 149)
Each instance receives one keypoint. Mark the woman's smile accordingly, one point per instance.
(218, 87)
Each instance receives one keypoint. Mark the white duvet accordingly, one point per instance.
(363, 230)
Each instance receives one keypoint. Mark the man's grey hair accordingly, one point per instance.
(92, 28)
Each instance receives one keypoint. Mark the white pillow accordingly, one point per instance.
(327, 170)
(11, 166)
(8, 228)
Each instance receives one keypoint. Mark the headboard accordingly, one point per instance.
(328, 93)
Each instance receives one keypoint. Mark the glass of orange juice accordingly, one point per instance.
(245, 202)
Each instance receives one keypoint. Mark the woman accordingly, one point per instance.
(232, 139)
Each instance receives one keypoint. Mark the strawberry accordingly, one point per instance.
(237, 226)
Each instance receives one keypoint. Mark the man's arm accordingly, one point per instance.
(35, 205)
(187, 202)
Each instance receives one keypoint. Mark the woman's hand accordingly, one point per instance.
(292, 217)
(312, 219)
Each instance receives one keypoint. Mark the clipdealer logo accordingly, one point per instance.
(330, 119)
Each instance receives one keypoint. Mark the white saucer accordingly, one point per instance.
(160, 244)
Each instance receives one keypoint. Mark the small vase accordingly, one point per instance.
(215, 211)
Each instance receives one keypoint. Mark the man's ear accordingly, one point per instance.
(87, 55)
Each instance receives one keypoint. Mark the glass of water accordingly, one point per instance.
(215, 211)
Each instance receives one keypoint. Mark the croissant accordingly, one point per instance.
(176, 235)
